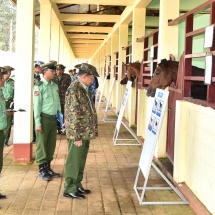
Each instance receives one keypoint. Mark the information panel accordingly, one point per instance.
(153, 130)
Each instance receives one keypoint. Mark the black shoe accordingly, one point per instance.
(43, 173)
(83, 191)
(50, 171)
(6, 144)
(2, 196)
(75, 195)
(53, 174)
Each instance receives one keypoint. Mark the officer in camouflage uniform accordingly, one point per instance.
(3, 120)
(81, 126)
(63, 81)
(8, 92)
(46, 105)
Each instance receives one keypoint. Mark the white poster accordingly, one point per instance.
(209, 32)
(155, 121)
(124, 101)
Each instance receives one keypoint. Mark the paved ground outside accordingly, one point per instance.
(110, 174)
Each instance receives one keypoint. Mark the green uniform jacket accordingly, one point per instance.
(80, 114)
(3, 116)
(46, 100)
(63, 84)
(8, 89)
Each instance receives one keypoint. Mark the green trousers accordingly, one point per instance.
(1, 148)
(46, 141)
(75, 163)
(9, 124)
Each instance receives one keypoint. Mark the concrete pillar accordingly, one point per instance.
(114, 48)
(168, 35)
(138, 30)
(55, 38)
(23, 121)
(123, 41)
(168, 44)
(61, 56)
(45, 30)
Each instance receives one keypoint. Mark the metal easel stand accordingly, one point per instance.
(116, 133)
(106, 119)
(101, 99)
(171, 187)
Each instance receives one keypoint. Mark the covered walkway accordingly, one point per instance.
(110, 174)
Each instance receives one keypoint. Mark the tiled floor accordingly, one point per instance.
(110, 174)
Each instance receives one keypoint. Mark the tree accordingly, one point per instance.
(7, 25)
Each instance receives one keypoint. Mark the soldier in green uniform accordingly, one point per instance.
(8, 92)
(63, 80)
(3, 120)
(46, 105)
(81, 126)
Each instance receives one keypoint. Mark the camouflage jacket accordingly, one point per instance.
(80, 114)
(63, 85)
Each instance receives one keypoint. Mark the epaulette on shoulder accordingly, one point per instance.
(38, 83)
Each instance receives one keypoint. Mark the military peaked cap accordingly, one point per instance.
(53, 61)
(3, 71)
(49, 65)
(60, 66)
(88, 68)
(9, 68)
(38, 62)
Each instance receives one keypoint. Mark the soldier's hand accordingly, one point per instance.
(78, 143)
(39, 129)
(9, 113)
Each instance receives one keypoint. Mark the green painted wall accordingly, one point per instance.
(200, 21)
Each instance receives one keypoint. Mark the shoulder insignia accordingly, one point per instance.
(36, 93)
(12, 84)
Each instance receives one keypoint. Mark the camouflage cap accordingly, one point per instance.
(88, 68)
(9, 68)
(3, 71)
(49, 65)
(60, 66)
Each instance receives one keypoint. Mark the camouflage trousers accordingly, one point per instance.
(74, 167)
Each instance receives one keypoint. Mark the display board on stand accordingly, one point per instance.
(146, 159)
(108, 108)
(116, 140)
(101, 100)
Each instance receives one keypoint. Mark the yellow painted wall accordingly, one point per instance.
(195, 150)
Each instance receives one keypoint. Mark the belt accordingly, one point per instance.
(8, 100)
(49, 116)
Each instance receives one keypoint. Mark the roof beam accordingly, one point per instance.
(81, 45)
(86, 36)
(89, 18)
(85, 41)
(88, 29)
(95, 2)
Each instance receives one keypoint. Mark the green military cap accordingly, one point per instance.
(53, 61)
(9, 68)
(88, 68)
(49, 65)
(60, 66)
(3, 71)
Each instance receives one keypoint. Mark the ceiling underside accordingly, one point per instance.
(88, 24)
